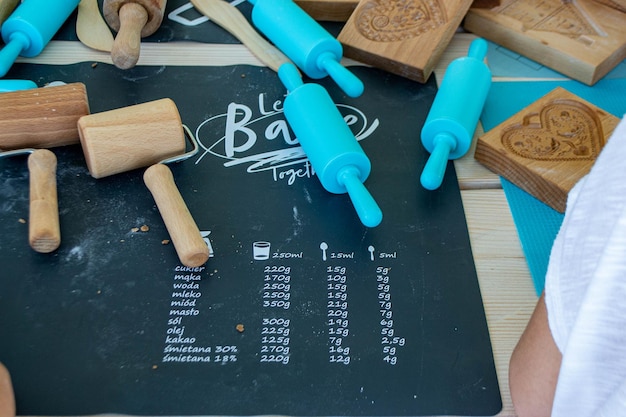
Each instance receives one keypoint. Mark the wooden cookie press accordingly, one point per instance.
(148, 134)
(132, 20)
(406, 38)
(548, 146)
(42, 118)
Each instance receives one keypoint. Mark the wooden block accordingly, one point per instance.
(402, 37)
(548, 146)
(583, 40)
(328, 10)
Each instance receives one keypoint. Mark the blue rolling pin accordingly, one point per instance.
(315, 51)
(451, 122)
(16, 85)
(334, 153)
(30, 27)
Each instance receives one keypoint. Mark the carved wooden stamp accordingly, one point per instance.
(548, 146)
(583, 40)
(405, 37)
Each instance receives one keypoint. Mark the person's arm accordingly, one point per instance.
(534, 367)
(7, 400)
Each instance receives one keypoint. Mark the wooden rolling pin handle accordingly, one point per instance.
(44, 234)
(190, 246)
(7, 397)
(127, 44)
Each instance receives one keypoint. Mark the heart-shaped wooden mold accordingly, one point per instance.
(566, 130)
(547, 147)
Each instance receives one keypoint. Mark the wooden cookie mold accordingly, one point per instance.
(404, 37)
(548, 146)
(583, 39)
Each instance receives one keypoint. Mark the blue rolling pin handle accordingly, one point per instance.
(345, 79)
(16, 85)
(289, 76)
(435, 168)
(366, 207)
(478, 49)
(17, 43)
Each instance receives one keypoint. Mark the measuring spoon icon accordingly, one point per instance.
(323, 247)
(371, 251)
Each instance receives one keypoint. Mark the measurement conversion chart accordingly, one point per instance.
(278, 285)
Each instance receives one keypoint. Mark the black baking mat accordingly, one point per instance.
(302, 310)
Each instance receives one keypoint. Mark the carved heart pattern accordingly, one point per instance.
(396, 20)
(567, 131)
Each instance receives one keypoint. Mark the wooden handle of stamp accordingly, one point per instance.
(44, 233)
(190, 246)
(127, 44)
(7, 397)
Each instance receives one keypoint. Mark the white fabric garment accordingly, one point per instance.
(585, 290)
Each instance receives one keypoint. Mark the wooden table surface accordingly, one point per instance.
(507, 289)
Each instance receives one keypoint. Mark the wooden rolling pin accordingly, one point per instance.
(132, 137)
(132, 20)
(138, 136)
(42, 117)
(7, 398)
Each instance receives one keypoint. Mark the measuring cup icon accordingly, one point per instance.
(261, 250)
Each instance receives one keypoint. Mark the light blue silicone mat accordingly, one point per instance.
(537, 224)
